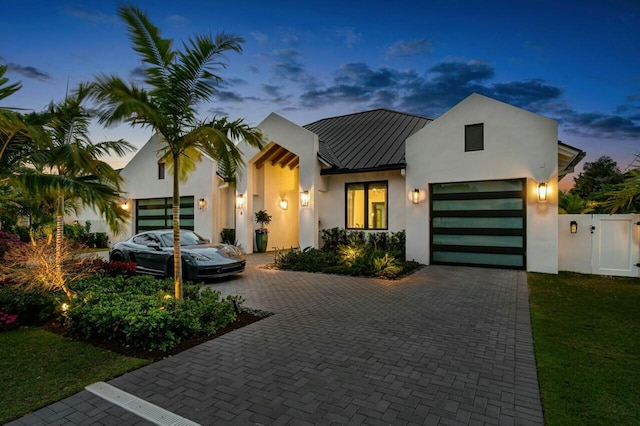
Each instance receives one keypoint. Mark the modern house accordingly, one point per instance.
(478, 185)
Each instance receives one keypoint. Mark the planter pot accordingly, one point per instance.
(261, 242)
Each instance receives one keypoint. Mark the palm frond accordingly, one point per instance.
(156, 51)
(7, 90)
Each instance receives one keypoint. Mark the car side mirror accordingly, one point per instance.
(154, 246)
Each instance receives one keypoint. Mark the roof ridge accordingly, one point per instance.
(366, 112)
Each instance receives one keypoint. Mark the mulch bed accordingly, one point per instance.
(243, 319)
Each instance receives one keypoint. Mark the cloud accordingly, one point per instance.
(331, 95)
(227, 96)
(138, 73)
(253, 69)
(178, 20)
(409, 48)
(260, 37)
(29, 72)
(349, 36)
(525, 93)
(634, 97)
(270, 90)
(91, 16)
(218, 112)
(287, 66)
(597, 124)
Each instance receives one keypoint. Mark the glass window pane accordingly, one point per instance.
(152, 222)
(478, 222)
(490, 204)
(355, 206)
(482, 186)
(479, 240)
(151, 212)
(479, 258)
(377, 206)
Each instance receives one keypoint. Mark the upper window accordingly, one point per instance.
(474, 137)
(160, 171)
(366, 205)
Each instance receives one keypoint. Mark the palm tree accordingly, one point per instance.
(71, 170)
(626, 195)
(177, 81)
(19, 135)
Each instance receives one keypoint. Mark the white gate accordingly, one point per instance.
(601, 244)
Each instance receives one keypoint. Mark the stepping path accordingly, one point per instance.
(444, 346)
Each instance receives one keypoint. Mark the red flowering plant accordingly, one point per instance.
(7, 321)
(7, 242)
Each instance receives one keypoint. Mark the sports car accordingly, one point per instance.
(152, 251)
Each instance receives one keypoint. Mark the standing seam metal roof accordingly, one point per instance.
(366, 140)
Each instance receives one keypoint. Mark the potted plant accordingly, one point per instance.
(262, 234)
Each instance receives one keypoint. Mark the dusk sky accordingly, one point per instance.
(574, 61)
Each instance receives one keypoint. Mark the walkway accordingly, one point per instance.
(447, 345)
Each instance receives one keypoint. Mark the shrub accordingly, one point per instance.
(22, 232)
(7, 321)
(120, 268)
(31, 307)
(98, 240)
(386, 266)
(228, 236)
(140, 311)
(309, 259)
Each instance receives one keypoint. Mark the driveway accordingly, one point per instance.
(446, 345)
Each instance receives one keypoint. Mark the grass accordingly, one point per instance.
(39, 368)
(587, 341)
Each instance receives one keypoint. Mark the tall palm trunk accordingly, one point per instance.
(177, 262)
(59, 233)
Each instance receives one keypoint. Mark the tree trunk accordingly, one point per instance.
(177, 261)
(59, 234)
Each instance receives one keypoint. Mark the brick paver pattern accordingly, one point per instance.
(443, 346)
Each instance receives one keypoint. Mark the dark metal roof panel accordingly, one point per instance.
(366, 140)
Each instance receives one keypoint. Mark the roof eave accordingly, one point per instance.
(344, 171)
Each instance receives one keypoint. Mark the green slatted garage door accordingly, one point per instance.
(156, 213)
(479, 223)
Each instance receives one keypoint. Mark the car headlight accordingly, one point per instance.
(198, 256)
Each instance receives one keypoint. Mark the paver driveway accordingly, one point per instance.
(447, 345)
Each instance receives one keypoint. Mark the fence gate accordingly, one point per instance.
(615, 248)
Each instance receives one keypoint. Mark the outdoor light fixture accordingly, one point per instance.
(574, 227)
(305, 197)
(415, 196)
(124, 205)
(202, 203)
(542, 191)
(284, 204)
(239, 201)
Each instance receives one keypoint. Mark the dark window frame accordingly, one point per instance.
(165, 203)
(161, 170)
(366, 204)
(471, 134)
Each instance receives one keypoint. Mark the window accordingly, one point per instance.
(366, 205)
(160, 171)
(474, 137)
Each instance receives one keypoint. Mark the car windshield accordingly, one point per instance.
(187, 238)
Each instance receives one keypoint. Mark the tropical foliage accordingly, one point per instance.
(175, 83)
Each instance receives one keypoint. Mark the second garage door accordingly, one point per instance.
(479, 223)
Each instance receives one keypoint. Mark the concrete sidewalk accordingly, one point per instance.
(446, 345)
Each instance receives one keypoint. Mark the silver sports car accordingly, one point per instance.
(152, 251)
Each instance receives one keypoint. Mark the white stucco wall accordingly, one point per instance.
(574, 250)
(305, 145)
(141, 181)
(517, 144)
(331, 203)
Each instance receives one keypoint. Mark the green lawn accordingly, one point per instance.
(587, 341)
(38, 367)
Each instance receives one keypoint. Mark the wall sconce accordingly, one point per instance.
(542, 191)
(574, 227)
(239, 201)
(202, 203)
(284, 204)
(124, 205)
(415, 196)
(305, 197)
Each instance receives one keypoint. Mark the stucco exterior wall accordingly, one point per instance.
(331, 203)
(517, 144)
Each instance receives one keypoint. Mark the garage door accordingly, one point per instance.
(479, 223)
(156, 213)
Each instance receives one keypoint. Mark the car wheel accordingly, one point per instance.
(116, 257)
